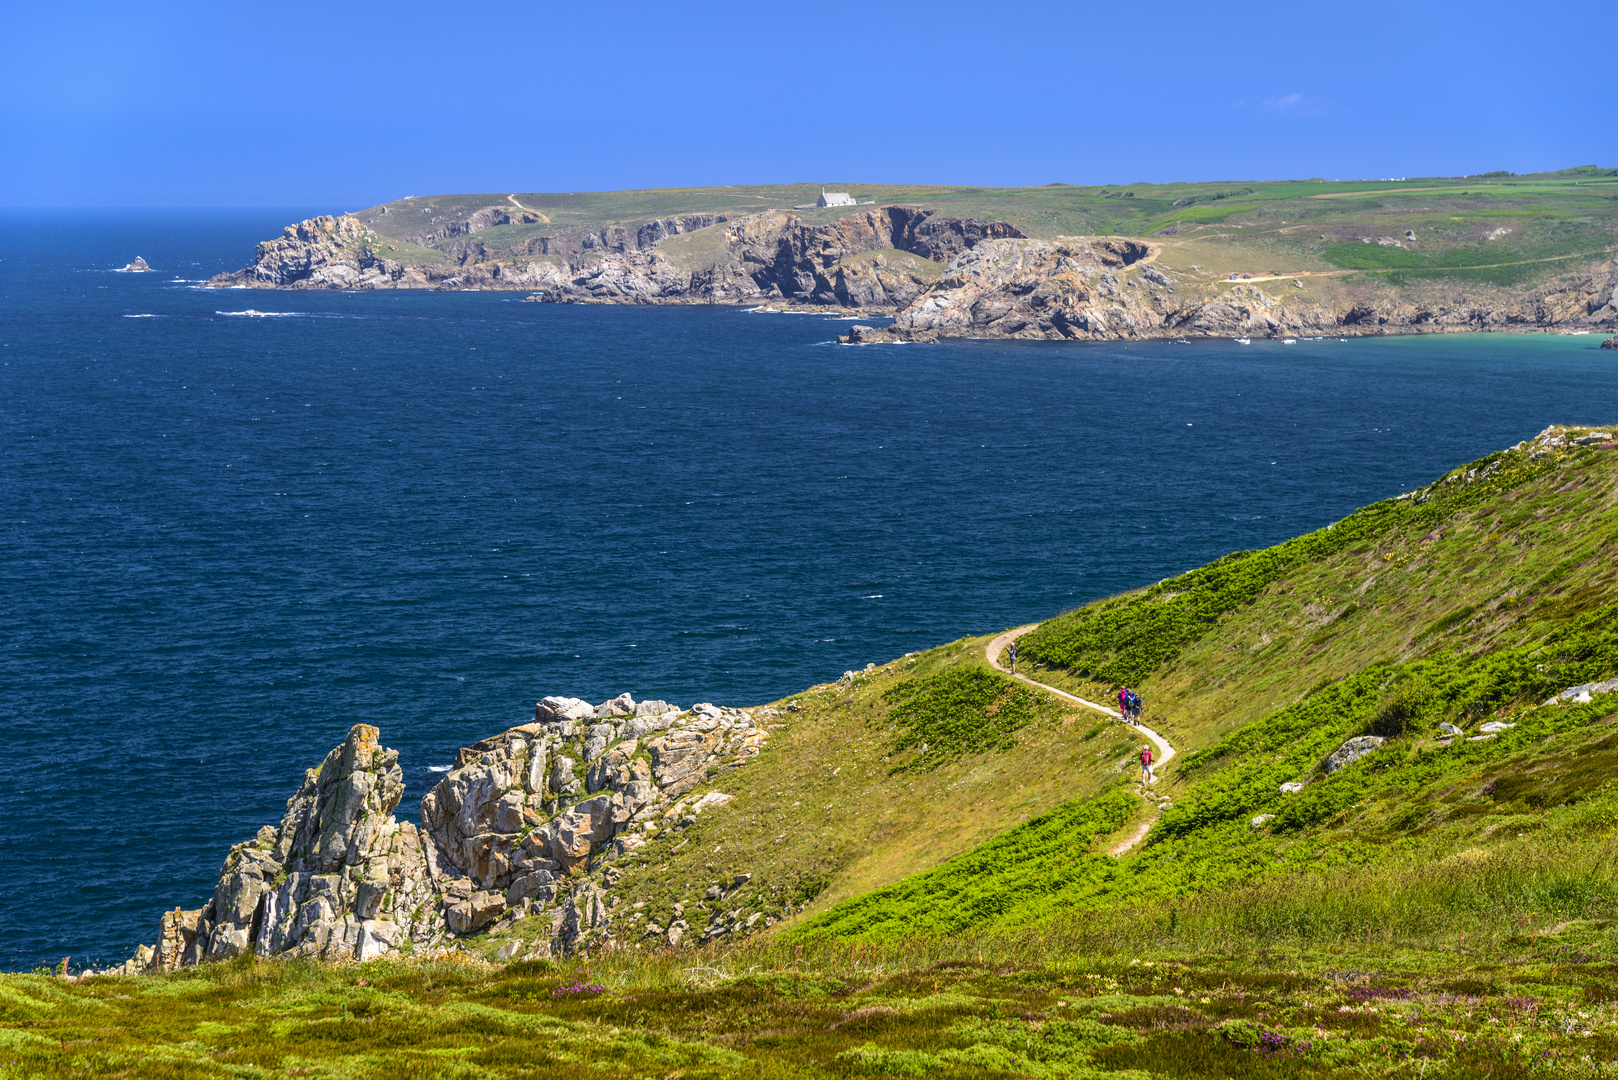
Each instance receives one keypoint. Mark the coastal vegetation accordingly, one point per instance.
(915, 877)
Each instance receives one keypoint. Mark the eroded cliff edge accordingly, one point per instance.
(937, 275)
(534, 822)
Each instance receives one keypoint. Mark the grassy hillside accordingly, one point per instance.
(913, 880)
(1473, 600)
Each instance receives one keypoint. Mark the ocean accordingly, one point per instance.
(227, 537)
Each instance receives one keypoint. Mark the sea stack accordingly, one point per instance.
(137, 266)
(1610, 343)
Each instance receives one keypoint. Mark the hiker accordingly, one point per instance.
(1139, 705)
(1011, 654)
(1146, 776)
(1123, 704)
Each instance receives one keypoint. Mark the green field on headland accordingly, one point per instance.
(916, 876)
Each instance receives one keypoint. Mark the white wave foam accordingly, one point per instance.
(253, 313)
(142, 315)
(438, 768)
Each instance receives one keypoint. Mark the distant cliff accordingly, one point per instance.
(775, 255)
(937, 274)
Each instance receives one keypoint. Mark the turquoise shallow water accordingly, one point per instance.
(224, 538)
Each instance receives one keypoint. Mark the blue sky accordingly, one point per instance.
(343, 105)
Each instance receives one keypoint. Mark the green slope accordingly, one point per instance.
(1438, 631)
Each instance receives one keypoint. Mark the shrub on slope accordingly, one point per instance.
(1355, 816)
(1124, 640)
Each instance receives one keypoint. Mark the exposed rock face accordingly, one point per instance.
(1610, 343)
(528, 813)
(1036, 288)
(339, 878)
(772, 255)
(995, 282)
(1107, 289)
(136, 266)
(1352, 751)
(511, 832)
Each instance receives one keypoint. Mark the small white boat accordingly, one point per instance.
(1289, 341)
(1244, 341)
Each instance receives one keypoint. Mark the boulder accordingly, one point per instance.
(1610, 343)
(1260, 821)
(475, 912)
(539, 885)
(1447, 728)
(1494, 726)
(555, 710)
(1581, 694)
(1352, 750)
(1291, 787)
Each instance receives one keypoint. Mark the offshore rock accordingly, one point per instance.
(1610, 343)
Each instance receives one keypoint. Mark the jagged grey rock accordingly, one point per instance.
(1352, 750)
(506, 830)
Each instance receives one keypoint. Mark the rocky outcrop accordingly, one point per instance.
(1037, 288)
(323, 253)
(137, 265)
(540, 815)
(939, 275)
(1610, 343)
(770, 255)
(532, 822)
(1108, 289)
(1352, 750)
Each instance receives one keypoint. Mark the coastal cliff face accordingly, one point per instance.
(531, 823)
(937, 275)
(690, 259)
(1104, 289)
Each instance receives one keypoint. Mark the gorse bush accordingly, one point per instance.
(960, 710)
(1124, 640)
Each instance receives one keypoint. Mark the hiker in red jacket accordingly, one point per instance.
(1146, 776)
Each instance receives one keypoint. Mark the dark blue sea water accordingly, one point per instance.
(225, 539)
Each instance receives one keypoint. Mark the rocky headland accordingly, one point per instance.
(936, 275)
(532, 823)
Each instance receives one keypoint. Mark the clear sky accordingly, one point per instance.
(343, 105)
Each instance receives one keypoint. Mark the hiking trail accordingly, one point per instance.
(1164, 750)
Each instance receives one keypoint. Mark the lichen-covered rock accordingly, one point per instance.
(512, 829)
(339, 878)
(532, 810)
(1352, 750)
